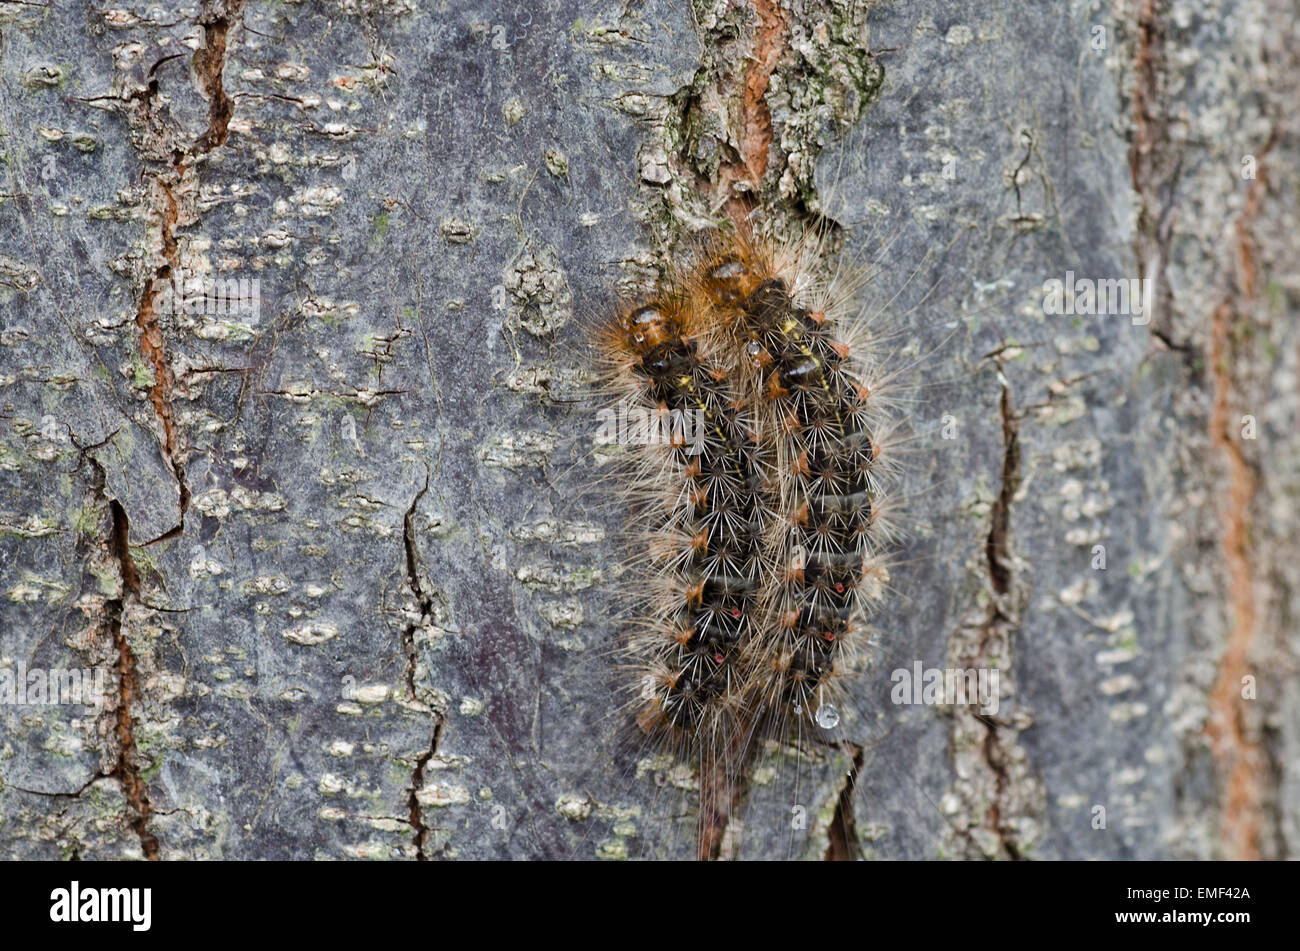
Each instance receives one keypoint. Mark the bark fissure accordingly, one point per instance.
(724, 787)
(209, 63)
(753, 126)
(416, 814)
(425, 601)
(842, 834)
(1153, 169)
(995, 634)
(153, 346)
(997, 548)
(126, 770)
(733, 184)
(1238, 752)
(423, 598)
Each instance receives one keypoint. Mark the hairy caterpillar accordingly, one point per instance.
(697, 504)
(817, 412)
(756, 542)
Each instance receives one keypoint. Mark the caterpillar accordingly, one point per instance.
(817, 413)
(761, 543)
(697, 497)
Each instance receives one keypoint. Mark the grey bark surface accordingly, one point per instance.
(344, 561)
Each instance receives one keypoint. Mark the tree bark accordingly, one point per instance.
(342, 552)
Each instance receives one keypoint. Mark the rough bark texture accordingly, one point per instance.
(341, 558)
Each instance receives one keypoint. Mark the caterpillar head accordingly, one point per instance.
(644, 328)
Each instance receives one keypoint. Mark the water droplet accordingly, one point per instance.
(754, 348)
(827, 716)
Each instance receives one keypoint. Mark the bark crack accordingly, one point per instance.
(842, 835)
(423, 598)
(412, 650)
(126, 768)
(209, 63)
(732, 178)
(153, 346)
(1238, 752)
(1150, 168)
(997, 549)
(127, 771)
(1002, 620)
(995, 782)
(417, 783)
(724, 786)
(753, 125)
